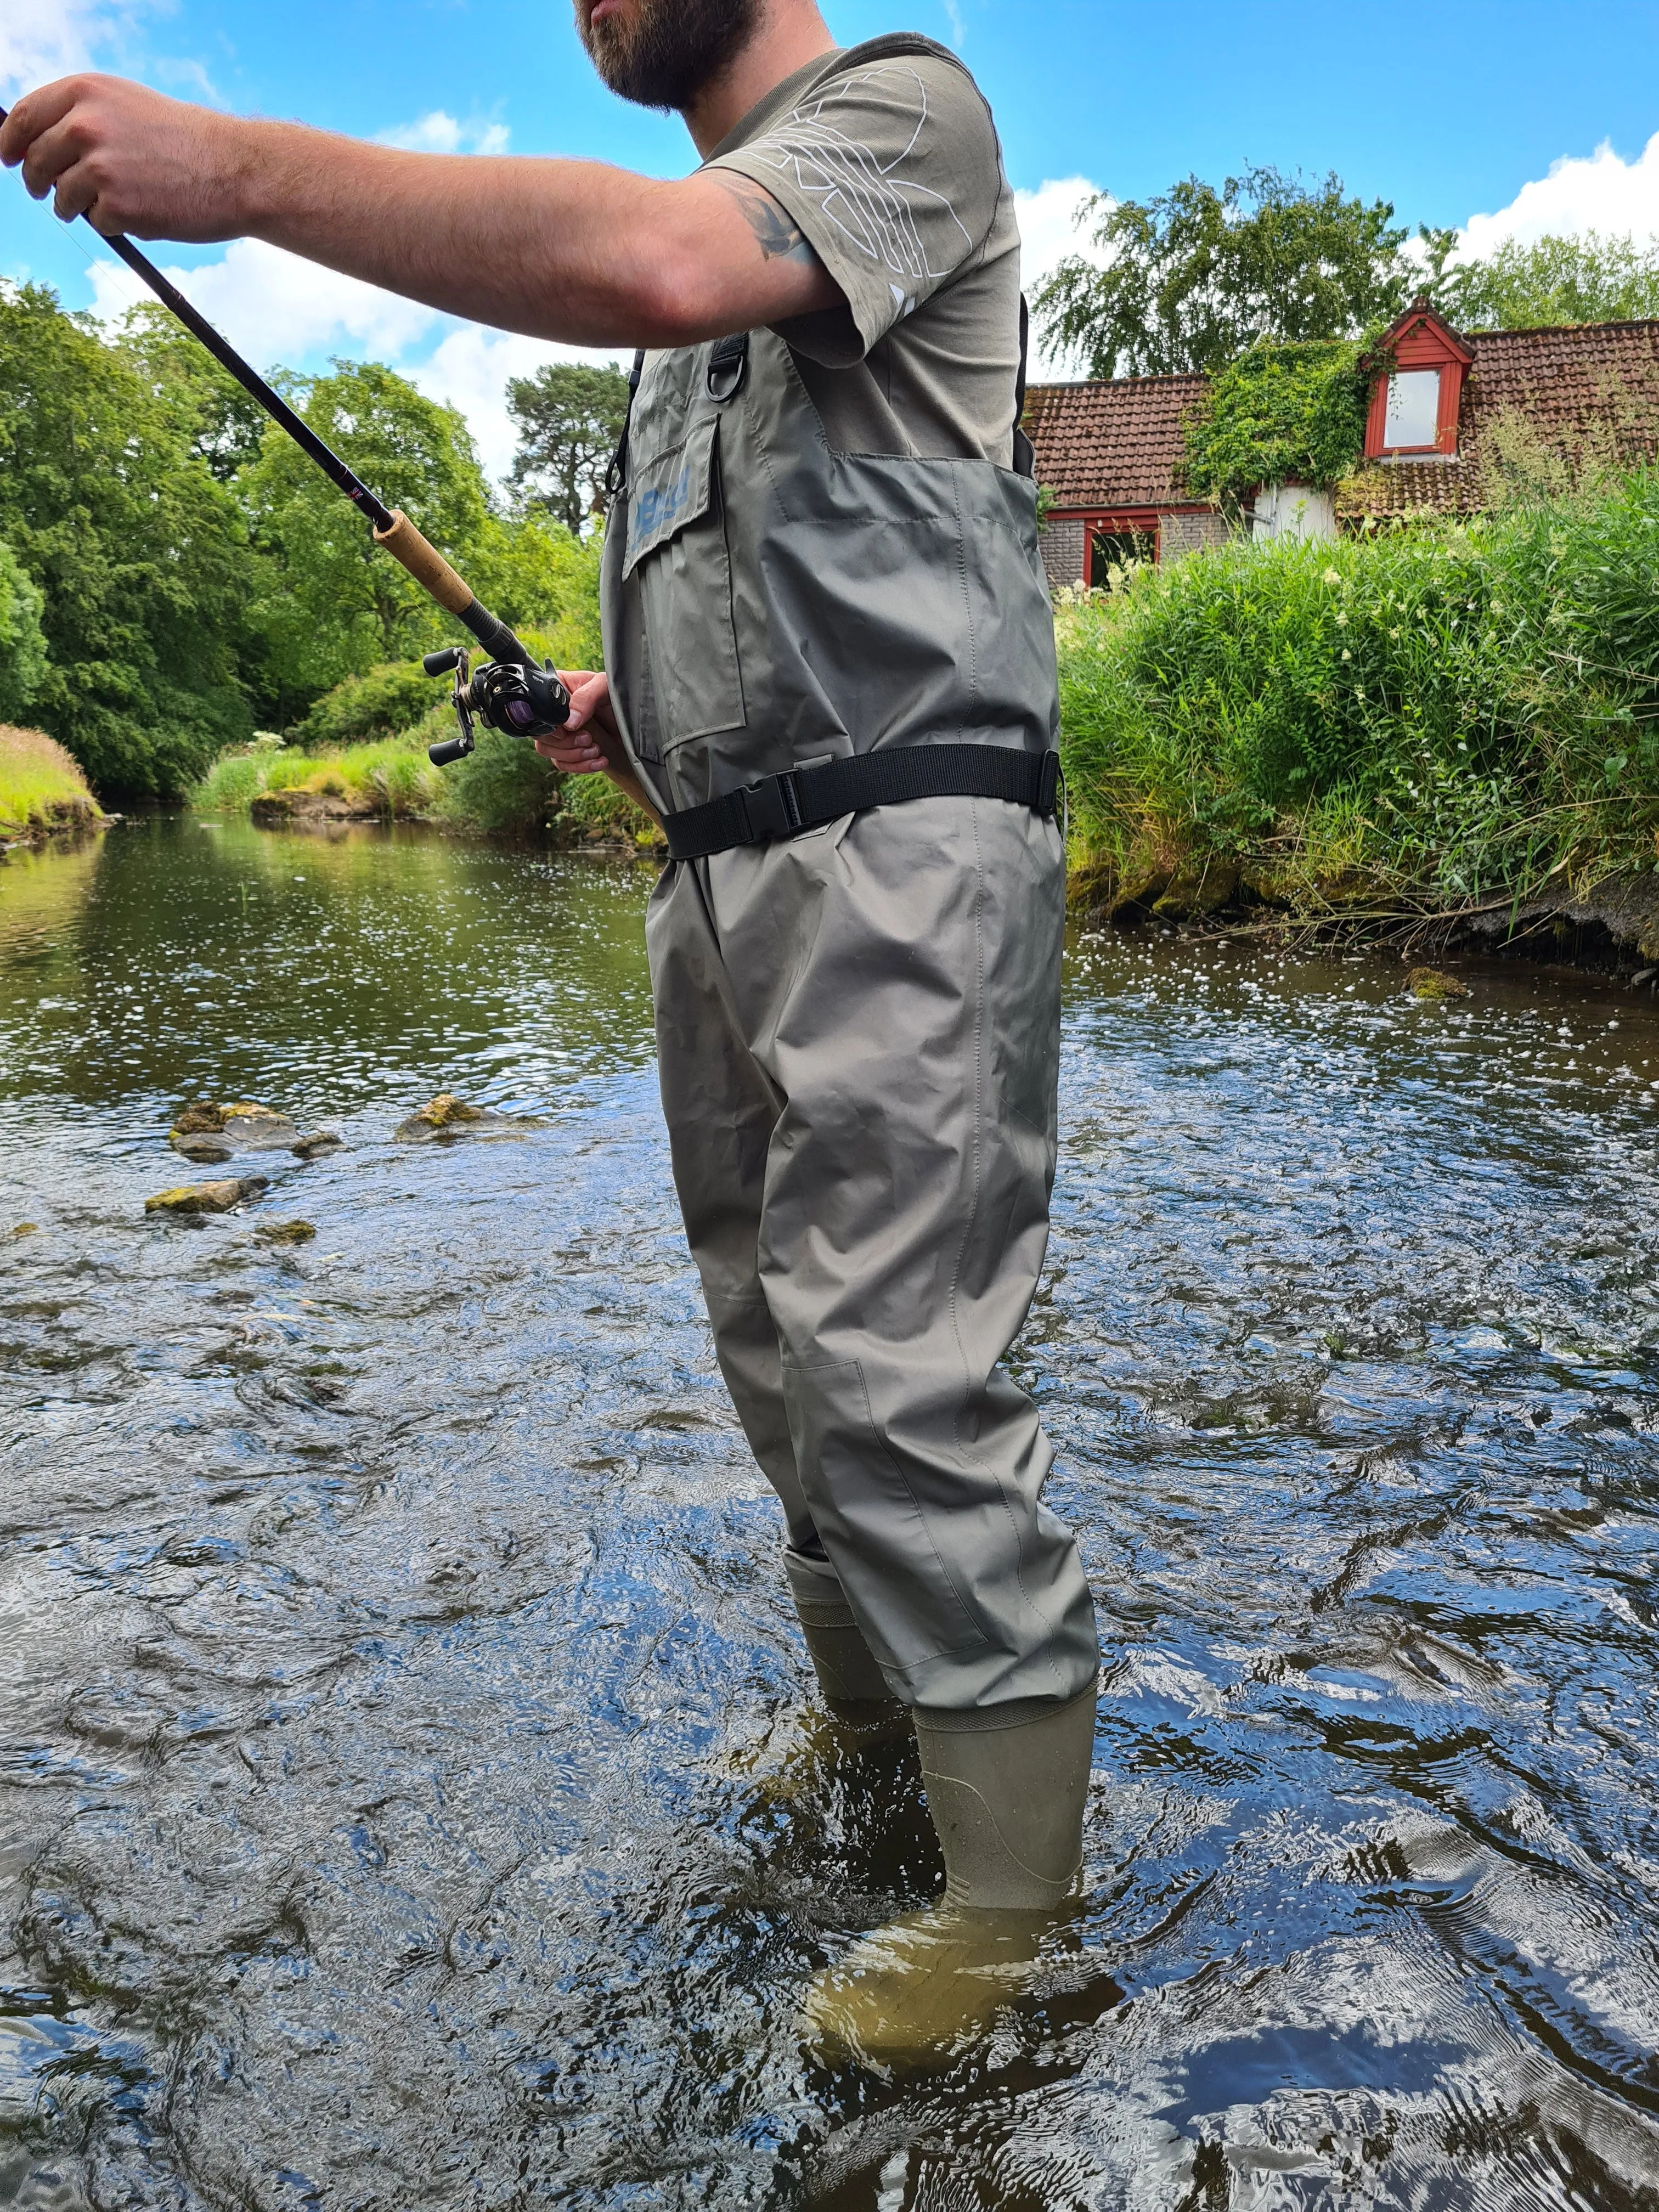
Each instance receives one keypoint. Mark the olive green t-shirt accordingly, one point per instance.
(890, 164)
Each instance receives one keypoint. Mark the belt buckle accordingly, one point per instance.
(772, 807)
(1048, 784)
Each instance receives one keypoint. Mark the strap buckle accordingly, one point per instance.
(1047, 785)
(772, 807)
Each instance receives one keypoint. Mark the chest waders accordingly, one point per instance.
(835, 672)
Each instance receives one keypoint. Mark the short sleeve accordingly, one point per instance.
(893, 173)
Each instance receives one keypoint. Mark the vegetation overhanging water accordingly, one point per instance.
(405, 1789)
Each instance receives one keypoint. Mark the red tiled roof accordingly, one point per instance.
(1588, 389)
(1112, 445)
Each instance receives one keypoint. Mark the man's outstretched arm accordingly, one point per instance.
(568, 250)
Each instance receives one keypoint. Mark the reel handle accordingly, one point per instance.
(447, 750)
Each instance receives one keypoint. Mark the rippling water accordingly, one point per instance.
(404, 1797)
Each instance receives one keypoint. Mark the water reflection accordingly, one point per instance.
(404, 1793)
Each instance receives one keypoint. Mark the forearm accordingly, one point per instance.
(557, 249)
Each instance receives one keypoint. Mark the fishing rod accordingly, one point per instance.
(509, 692)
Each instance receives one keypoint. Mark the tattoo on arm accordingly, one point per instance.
(776, 232)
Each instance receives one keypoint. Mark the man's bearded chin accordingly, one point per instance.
(666, 52)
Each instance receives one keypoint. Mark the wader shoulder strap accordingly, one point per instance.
(1025, 451)
(782, 805)
(616, 477)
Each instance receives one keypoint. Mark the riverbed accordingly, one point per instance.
(407, 1796)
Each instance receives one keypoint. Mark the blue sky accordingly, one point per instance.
(1529, 114)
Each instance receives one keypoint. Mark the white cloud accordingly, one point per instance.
(443, 133)
(1048, 233)
(273, 307)
(1600, 191)
(469, 369)
(41, 39)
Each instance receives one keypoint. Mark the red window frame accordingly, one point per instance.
(1419, 340)
(1142, 520)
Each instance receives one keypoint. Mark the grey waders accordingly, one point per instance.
(858, 1034)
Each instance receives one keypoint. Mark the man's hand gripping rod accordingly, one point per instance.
(510, 693)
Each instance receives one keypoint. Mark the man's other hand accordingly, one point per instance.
(128, 159)
(590, 740)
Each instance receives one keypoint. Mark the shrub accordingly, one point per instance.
(385, 702)
(1279, 414)
(503, 786)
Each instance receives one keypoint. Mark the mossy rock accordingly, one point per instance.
(206, 1130)
(206, 1197)
(200, 1119)
(1431, 985)
(1263, 884)
(288, 1232)
(445, 1111)
(447, 1115)
(1199, 888)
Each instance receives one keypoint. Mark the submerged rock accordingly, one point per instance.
(206, 1197)
(1430, 983)
(288, 1232)
(448, 1116)
(207, 1151)
(319, 1140)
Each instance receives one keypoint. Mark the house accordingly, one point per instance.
(1455, 408)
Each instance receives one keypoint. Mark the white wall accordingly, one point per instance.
(1292, 510)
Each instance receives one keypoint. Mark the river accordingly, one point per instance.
(404, 1794)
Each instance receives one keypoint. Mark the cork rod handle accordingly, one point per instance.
(424, 562)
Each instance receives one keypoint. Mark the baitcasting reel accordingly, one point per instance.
(525, 702)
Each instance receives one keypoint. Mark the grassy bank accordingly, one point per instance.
(503, 787)
(1422, 719)
(42, 789)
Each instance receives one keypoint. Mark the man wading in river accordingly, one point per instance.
(821, 555)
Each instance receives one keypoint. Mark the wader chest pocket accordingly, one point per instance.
(677, 543)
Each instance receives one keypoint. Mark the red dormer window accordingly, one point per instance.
(1414, 411)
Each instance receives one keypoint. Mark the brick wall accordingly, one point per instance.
(1190, 533)
(1063, 547)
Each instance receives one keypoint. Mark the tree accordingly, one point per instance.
(1196, 277)
(1587, 278)
(335, 604)
(569, 418)
(219, 424)
(140, 557)
(23, 642)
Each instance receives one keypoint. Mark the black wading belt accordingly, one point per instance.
(783, 806)
(804, 799)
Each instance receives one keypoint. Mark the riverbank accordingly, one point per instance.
(1450, 731)
(42, 792)
(503, 788)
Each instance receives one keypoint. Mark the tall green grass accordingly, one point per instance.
(40, 787)
(1444, 712)
(391, 777)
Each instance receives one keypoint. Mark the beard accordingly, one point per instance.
(669, 50)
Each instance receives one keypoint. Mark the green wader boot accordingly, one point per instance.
(854, 1687)
(1006, 1788)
